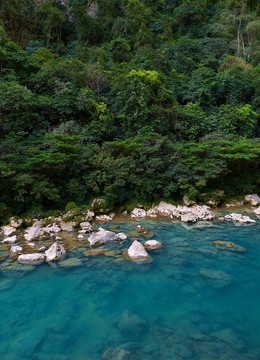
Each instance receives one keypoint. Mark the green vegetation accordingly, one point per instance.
(132, 100)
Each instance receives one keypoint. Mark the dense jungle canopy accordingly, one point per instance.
(131, 100)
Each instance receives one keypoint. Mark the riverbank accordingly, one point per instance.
(28, 242)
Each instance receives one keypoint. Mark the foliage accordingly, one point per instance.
(135, 101)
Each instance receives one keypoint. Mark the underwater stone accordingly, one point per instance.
(131, 323)
(183, 351)
(228, 245)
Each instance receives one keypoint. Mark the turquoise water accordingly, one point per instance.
(167, 309)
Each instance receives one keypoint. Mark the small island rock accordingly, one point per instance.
(152, 244)
(55, 252)
(137, 252)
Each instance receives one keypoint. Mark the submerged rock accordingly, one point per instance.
(69, 263)
(55, 253)
(10, 240)
(117, 354)
(228, 245)
(253, 199)
(227, 335)
(152, 244)
(242, 219)
(137, 252)
(138, 213)
(131, 323)
(102, 236)
(94, 252)
(221, 278)
(32, 259)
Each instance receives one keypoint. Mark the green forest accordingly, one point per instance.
(129, 100)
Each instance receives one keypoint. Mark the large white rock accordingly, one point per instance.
(55, 252)
(138, 213)
(253, 199)
(85, 225)
(165, 209)
(52, 228)
(202, 212)
(190, 217)
(153, 212)
(34, 232)
(257, 211)
(33, 259)
(8, 230)
(240, 218)
(68, 226)
(16, 249)
(137, 252)
(10, 240)
(102, 236)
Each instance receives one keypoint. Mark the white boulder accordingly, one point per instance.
(55, 252)
(137, 252)
(257, 211)
(102, 236)
(138, 213)
(10, 240)
(16, 249)
(8, 230)
(253, 199)
(104, 218)
(32, 259)
(165, 209)
(86, 226)
(242, 219)
(190, 217)
(34, 232)
(68, 226)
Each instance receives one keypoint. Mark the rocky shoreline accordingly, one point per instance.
(31, 242)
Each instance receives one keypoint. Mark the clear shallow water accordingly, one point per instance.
(164, 310)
